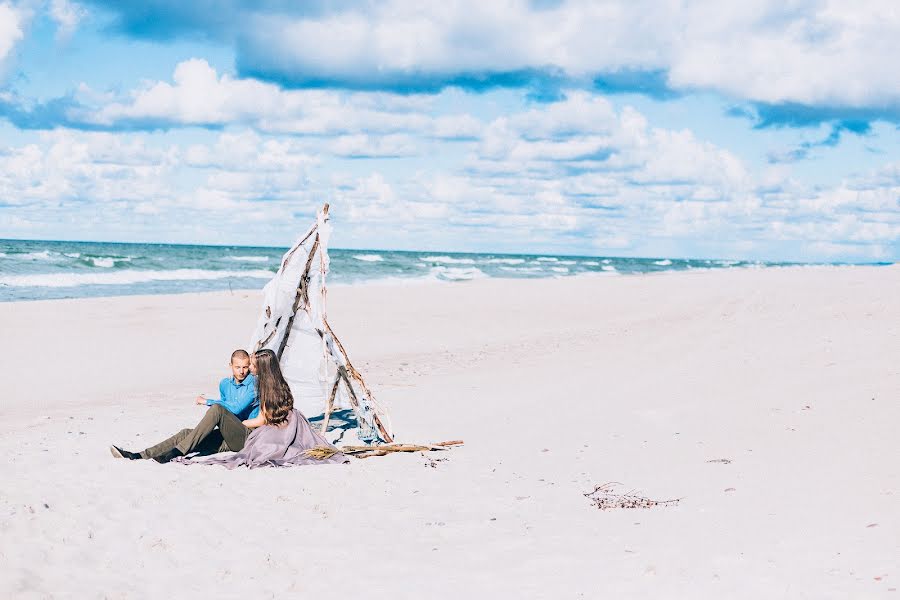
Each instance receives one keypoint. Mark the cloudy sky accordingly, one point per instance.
(679, 128)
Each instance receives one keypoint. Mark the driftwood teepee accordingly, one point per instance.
(293, 323)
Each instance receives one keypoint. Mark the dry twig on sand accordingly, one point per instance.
(605, 498)
(323, 452)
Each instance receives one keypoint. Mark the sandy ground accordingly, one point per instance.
(556, 386)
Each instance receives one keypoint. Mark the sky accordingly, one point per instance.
(762, 130)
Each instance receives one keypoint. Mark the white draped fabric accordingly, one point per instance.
(311, 357)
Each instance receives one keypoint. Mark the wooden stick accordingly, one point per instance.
(303, 288)
(323, 452)
(302, 294)
(330, 404)
(262, 343)
(354, 401)
(388, 448)
(290, 255)
(384, 434)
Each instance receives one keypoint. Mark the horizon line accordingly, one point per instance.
(491, 252)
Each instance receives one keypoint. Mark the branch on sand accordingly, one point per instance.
(604, 497)
(323, 452)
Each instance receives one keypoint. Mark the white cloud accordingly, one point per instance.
(366, 146)
(574, 176)
(71, 166)
(585, 142)
(11, 29)
(67, 15)
(199, 96)
(142, 187)
(820, 52)
(827, 52)
(614, 179)
(249, 151)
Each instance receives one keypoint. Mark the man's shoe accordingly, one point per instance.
(120, 453)
(164, 458)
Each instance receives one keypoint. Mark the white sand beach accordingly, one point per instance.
(766, 400)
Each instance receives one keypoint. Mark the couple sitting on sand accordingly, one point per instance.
(254, 418)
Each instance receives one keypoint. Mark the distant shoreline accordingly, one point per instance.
(400, 283)
(44, 270)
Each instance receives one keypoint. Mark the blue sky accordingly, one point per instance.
(690, 129)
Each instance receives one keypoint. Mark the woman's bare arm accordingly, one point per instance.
(257, 421)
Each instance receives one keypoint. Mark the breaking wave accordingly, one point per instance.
(457, 273)
(42, 255)
(523, 269)
(58, 280)
(249, 258)
(105, 262)
(448, 260)
(32, 270)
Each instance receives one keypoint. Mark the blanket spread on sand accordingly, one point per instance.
(271, 446)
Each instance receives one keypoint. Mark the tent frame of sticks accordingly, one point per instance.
(367, 410)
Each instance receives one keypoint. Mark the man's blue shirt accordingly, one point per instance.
(239, 398)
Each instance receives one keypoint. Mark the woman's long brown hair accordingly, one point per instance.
(275, 398)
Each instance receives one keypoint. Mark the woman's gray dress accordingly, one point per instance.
(277, 446)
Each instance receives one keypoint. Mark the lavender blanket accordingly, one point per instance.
(271, 446)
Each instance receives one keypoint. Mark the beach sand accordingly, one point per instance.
(765, 400)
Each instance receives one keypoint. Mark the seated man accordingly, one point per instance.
(222, 428)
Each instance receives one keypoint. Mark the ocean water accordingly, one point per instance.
(38, 270)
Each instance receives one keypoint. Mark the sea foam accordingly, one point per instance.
(449, 260)
(58, 280)
(42, 255)
(369, 257)
(457, 273)
(523, 269)
(105, 262)
(250, 258)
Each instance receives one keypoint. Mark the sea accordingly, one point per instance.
(42, 270)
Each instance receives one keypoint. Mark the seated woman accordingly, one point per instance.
(280, 435)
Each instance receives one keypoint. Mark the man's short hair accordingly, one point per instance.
(239, 353)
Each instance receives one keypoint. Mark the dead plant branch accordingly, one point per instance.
(605, 497)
